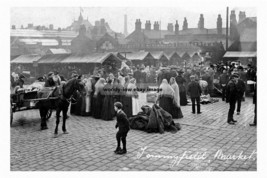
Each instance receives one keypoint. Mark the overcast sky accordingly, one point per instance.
(64, 16)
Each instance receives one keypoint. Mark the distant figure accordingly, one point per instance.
(56, 78)
(108, 102)
(231, 97)
(224, 77)
(255, 109)
(180, 80)
(194, 91)
(49, 81)
(98, 97)
(241, 88)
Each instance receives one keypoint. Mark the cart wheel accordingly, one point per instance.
(49, 113)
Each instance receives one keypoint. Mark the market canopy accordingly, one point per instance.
(52, 58)
(240, 54)
(26, 59)
(141, 55)
(157, 54)
(89, 58)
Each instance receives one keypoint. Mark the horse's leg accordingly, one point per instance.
(65, 110)
(57, 121)
(43, 111)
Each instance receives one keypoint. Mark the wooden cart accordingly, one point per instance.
(25, 100)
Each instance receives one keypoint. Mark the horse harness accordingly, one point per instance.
(62, 96)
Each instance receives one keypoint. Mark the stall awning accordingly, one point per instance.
(240, 54)
(26, 59)
(52, 58)
(97, 58)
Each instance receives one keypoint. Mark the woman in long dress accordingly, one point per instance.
(88, 89)
(108, 111)
(117, 90)
(99, 97)
(94, 80)
(181, 83)
(132, 91)
(126, 99)
(77, 105)
(177, 112)
(166, 97)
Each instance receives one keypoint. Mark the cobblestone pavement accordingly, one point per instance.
(90, 144)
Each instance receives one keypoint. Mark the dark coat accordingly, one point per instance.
(194, 89)
(122, 122)
(224, 78)
(20, 82)
(49, 83)
(255, 95)
(241, 88)
(231, 92)
(251, 74)
(180, 80)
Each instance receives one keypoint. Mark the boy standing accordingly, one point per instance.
(124, 127)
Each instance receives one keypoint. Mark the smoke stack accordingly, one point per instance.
(170, 27)
(148, 25)
(185, 24)
(242, 16)
(125, 25)
(176, 28)
(201, 22)
(219, 25)
(156, 26)
(51, 27)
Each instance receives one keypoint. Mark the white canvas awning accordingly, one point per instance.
(240, 54)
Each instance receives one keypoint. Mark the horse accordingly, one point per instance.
(61, 103)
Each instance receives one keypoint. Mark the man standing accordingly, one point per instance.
(241, 88)
(20, 81)
(255, 109)
(57, 78)
(50, 82)
(231, 97)
(251, 75)
(194, 91)
(223, 82)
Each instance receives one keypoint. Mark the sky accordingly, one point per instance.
(64, 16)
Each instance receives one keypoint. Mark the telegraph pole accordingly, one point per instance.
(227, 11)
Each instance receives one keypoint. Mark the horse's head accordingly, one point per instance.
(72, 86)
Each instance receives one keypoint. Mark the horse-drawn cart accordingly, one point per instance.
(26, 99)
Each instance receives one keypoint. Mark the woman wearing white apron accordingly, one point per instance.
(88, 89)
(132, 91)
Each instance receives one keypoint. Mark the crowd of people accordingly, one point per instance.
(176, 86)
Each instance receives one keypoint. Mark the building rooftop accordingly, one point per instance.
(137, 55)
(42, 33)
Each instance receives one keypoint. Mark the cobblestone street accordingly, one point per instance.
(90, 143)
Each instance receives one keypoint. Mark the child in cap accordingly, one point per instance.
(124, 127)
